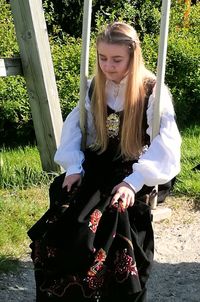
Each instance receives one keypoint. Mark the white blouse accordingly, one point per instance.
(160, 162)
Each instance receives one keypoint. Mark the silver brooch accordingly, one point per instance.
(112, 125)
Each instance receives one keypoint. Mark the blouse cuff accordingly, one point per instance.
(135, 180)
(74, 170)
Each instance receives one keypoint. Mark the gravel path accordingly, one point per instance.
(176, 273)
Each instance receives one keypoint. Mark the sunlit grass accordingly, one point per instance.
(19, 209)
(21, 167)
(23, 199)
(188, 181)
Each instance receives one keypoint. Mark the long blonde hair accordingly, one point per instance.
(131, 141)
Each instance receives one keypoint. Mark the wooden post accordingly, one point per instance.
(38, 71)
(161, 66)
(161, 213)
(162, 52)
(84, 66)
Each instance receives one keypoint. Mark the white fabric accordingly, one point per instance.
(159, 163)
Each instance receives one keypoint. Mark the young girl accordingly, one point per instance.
(96, 240)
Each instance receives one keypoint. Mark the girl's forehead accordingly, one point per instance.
(113, 49)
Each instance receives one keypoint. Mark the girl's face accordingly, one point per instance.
(113, 60)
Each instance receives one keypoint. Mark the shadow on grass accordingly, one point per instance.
(197, 204)
(8, 264)
(17, 285)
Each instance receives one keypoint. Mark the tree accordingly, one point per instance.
(66, 15)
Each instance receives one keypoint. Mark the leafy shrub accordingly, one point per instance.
(182, 66)
(66, 15)
(66, 58)
(144, 16)
(15, 116)
(16, 125)
(183, 76)
(8, 45)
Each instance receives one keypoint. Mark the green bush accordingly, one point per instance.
(182, 73)
(66, 15)
(8, 45)
(183, 63)
(66, 58)
(183, 76)
(15, 116)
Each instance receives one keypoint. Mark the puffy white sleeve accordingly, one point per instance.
(69, 154)
(161, 162)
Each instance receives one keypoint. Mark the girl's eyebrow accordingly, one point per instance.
(112, 56)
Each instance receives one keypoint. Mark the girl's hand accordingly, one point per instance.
(70, 180)
(123, 194)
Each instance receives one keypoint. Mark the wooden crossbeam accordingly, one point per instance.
(10, 67)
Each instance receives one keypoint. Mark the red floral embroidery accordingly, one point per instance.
(95, 282)
(95, 269)
(94, 220)
(95, 275)
(124, 266)
(101, 256)
(119, 206)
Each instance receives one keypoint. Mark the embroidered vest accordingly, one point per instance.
(114, 120)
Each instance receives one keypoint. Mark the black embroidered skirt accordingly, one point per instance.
(85, 250)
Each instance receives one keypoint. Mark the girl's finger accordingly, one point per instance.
(69, 187)
(114, 190)
(115, 198)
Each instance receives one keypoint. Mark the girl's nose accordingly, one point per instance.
(109, 66)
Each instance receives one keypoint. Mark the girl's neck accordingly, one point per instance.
(124, 79)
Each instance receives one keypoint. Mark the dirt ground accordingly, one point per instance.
(176, 273)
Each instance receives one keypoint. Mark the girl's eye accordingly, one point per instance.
(102, 59)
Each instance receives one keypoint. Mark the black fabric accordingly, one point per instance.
(82, 247)
(165, 190)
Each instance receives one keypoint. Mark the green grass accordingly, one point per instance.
(23, 199)
(24, 193)
(21, 168)
(19, 209)
(188, 180)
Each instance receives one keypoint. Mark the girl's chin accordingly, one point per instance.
(113, 77)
